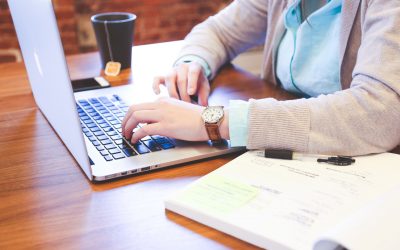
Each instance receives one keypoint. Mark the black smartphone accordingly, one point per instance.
(89, 83)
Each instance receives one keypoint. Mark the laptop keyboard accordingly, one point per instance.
(101, 123)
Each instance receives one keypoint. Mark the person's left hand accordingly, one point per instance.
(167, 117)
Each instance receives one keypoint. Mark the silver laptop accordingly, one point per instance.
(89, 122)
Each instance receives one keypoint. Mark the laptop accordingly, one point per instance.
(89, 122)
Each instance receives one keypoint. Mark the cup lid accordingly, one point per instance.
(113, 17)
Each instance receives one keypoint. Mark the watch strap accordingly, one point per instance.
(213, 132)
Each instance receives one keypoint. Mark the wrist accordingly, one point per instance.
(216, 123)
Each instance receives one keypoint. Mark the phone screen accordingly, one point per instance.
(89, 83)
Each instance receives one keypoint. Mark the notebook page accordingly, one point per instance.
(289, 202)
(376, 226)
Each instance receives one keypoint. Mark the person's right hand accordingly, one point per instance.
(183, 81)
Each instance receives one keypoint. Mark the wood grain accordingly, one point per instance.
(45, 200)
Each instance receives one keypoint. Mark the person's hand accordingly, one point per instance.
(183, 81)
(167, 117)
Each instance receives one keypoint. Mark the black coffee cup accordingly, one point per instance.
(114, 34)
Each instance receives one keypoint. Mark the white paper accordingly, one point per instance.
(376, 226)
(289, 202)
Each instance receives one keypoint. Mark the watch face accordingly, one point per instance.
(213, 114)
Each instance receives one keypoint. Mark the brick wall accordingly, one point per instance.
(157, 21)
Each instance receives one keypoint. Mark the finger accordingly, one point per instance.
(204, 92)
(148, 129)
(143, 116)
(136, 107)
(193, 78)
(170, 83)
(182, 82)
(156, 84)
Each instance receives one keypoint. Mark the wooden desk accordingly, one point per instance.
(46, 201)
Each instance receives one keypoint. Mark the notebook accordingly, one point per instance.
(283, 204)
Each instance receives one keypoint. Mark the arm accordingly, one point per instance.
(241, 25)
(361, 120)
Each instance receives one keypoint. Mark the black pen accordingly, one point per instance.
(290, 155)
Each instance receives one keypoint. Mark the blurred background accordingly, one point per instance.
(157, 21)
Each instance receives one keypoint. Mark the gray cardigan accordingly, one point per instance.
(363, 118)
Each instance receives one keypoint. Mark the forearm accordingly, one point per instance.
(362, 120)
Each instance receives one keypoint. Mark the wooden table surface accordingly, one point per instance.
(46, 202)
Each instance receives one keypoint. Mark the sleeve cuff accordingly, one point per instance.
(238, 122)
(199, 60)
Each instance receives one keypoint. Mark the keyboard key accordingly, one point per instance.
(119, 141)
(88, 121)
(104, 153)
(95, 129)
(96, 143)
(109, 146)
(108, 158)
(116, 137)
(128, 152)
(167, 145)
(85, 130)
(106, 141)
(93, 100)
(100, 148)
(92, 138)
(152, 145)
(118, 156)
(162, 140)
(115, 122)
(91, 125)
(146, 138)
(83, 101)
(140, 148)
(117, 97)
(98, 133)
(111, 133)
(102, 137)
(114, 151)
(109, 129)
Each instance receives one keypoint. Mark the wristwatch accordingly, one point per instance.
(212, 117)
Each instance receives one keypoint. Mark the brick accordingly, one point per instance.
(158, 20)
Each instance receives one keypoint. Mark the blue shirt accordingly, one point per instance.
(308, 55)
(307, 60)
